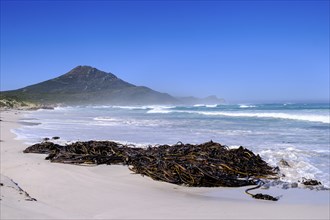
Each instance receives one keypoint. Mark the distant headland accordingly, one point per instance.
(86, 85)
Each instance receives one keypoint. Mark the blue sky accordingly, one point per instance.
(247, 51)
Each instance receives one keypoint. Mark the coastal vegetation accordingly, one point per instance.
(16, 103)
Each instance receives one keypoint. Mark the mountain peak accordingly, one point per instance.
(83, 70)
(88, 73)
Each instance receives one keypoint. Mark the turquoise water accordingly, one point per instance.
(298, 133)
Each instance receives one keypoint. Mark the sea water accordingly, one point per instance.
(297, 133)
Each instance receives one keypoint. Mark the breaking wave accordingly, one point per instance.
(302, 117)
(207, 106)
(298, 164)
(275, 115)
(247, 106)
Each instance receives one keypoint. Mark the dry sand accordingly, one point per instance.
(113, 192)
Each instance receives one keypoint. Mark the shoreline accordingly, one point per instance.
(102, 192)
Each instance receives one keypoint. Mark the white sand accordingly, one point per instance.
(113, 192)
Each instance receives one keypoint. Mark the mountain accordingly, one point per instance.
(88, 85)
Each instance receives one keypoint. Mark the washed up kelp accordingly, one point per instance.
(204, 165)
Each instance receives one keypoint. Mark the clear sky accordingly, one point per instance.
(238, 50)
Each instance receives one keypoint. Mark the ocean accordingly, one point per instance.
(297, 133)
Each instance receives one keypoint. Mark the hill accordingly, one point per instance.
(86, 85)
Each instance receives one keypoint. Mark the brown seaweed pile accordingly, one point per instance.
(203, 165)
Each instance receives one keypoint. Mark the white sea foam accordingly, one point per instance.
(109, 121)
(161, 109)
(211, 106)
(104, 119)
(59, 108)
(132, 107)
(100, 106)
(299, 165)
(277, 115)
(199, 105)
(144, 107)
(303, 117)
(207, 106)
(247, 106)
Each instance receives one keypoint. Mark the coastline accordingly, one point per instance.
(112, 192)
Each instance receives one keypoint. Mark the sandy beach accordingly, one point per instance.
(114, 192)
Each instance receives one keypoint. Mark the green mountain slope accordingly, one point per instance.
(88, 85)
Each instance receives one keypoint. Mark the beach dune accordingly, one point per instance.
(114, 192)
